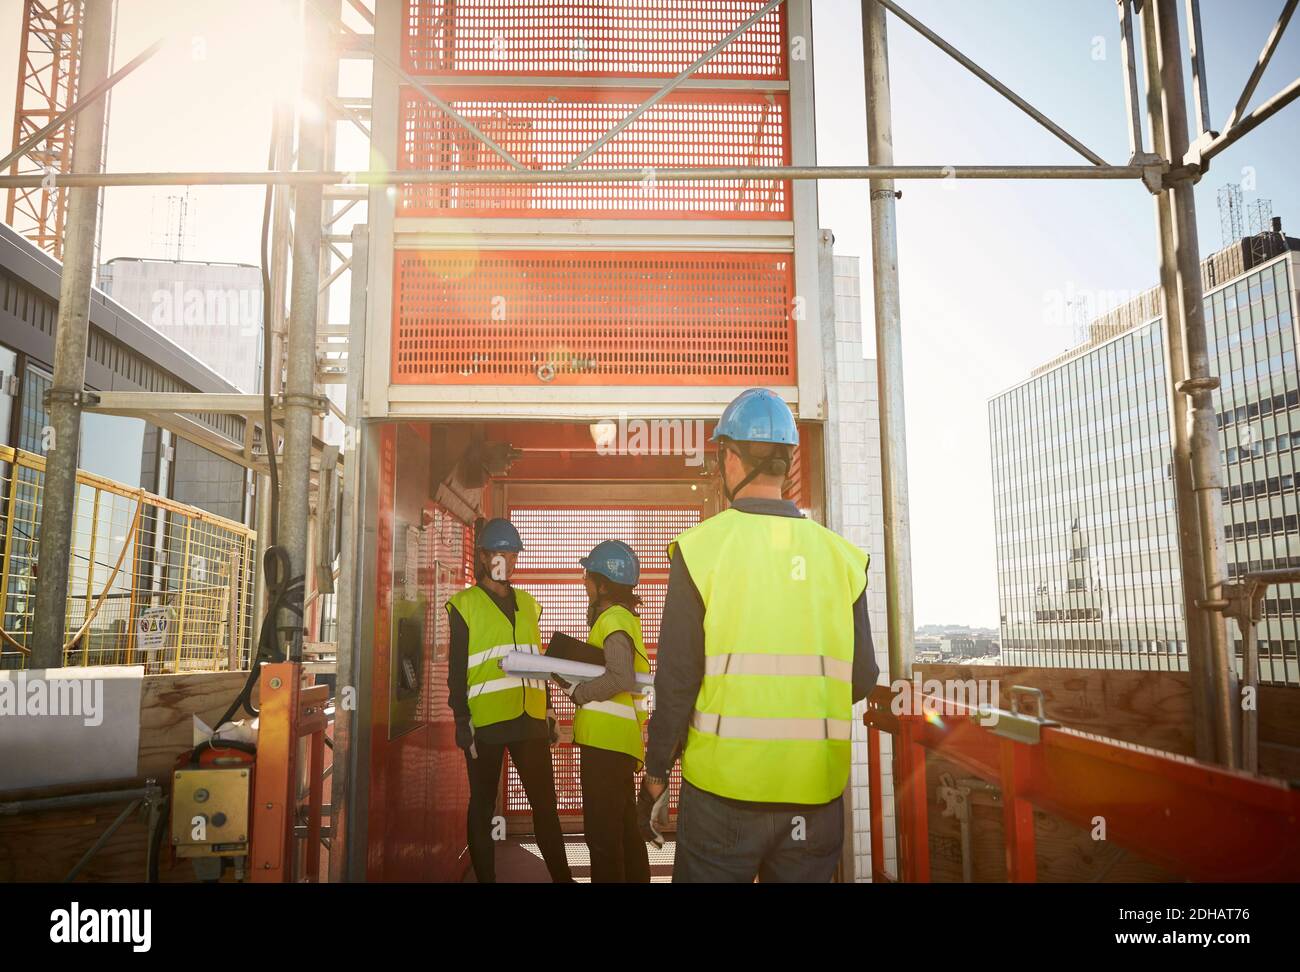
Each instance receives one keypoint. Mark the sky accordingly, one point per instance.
(985, 267)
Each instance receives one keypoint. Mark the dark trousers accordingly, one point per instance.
(724, 842)
(618, 852)
(532, 759)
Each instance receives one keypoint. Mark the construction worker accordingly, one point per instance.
(610, 714)
(764, 647)
(495, 712)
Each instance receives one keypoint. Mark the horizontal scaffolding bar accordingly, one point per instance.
(535, 176)
(1252, 121)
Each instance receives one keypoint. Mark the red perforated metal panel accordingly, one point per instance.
(632, 38)
(547, 129)
(593, 318)
(554, 538)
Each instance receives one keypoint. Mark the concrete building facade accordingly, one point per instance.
(1087, 544)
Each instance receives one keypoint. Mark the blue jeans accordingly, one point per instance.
(721, 842)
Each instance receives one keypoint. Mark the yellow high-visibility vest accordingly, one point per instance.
(615, 723)
(495, 696)
(773, 718)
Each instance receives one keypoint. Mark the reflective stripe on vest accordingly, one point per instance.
(737, 727)
(773, 717)
(741, 664)
(494, 696)
(615, 723)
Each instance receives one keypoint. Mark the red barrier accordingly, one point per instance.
(1194, 819)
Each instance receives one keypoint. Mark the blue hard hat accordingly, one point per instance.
(500, 534)
(614, 559)
(757, 415)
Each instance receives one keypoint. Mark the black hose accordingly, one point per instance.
(268, 433)
(283, 594)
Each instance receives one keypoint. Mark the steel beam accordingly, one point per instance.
(414, 82)
(991, 81)
(1196, 48)
(349, 830)
(71, 338)
(1203, 558)
(1252, 121)
(669, 86)
(416, 177)
(1131, 98)
(889, 372)
(1261, 64)
(300, 346)
(90, 98)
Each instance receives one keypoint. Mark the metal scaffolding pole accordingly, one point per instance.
(1198, 477)
(300, 400)
(347, 828)
(1186, 514)
(889, 357)
(479, 177)
(64, 399)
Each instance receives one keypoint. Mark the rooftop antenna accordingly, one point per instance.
(1081, 318)
(1259, 216)
(171, 240)
(1231, 228)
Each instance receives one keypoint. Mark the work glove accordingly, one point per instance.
(552, 727)
(565, 687)
(465, 738)
(652, 814)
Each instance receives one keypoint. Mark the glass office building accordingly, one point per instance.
(1087, 542)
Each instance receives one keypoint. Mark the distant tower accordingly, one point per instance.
(169, 238)
(1081, 318)
(1259, 218)
(1231, 222)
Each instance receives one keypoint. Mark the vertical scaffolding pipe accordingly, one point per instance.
(300, 400)
(59, 497)
(279, 274)
(1198, 477)
(1200, 85)
(1185, 512)
(889, 363)
(344, 824)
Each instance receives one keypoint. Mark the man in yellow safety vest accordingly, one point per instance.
(764, 647)
(494, 711)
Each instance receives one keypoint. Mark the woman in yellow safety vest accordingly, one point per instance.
(610, 714)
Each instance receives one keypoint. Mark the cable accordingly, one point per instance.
(279, 595)
(268, 433)
(283, 594)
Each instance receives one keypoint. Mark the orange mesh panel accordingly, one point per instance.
(546, 129)
(592, 38)
(593, 318)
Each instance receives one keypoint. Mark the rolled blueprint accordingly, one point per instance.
(522, 664)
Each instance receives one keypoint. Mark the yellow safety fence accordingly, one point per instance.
(151, 581)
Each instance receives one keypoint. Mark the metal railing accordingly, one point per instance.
(151, 581)
(1156, 805)
(1244, 603)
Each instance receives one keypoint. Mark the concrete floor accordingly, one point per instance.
(520, 862)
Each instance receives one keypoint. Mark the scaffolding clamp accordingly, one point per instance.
(1195, 156)
(1153, 170)
(317, 403)
(1190, 386)
(78, 398)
